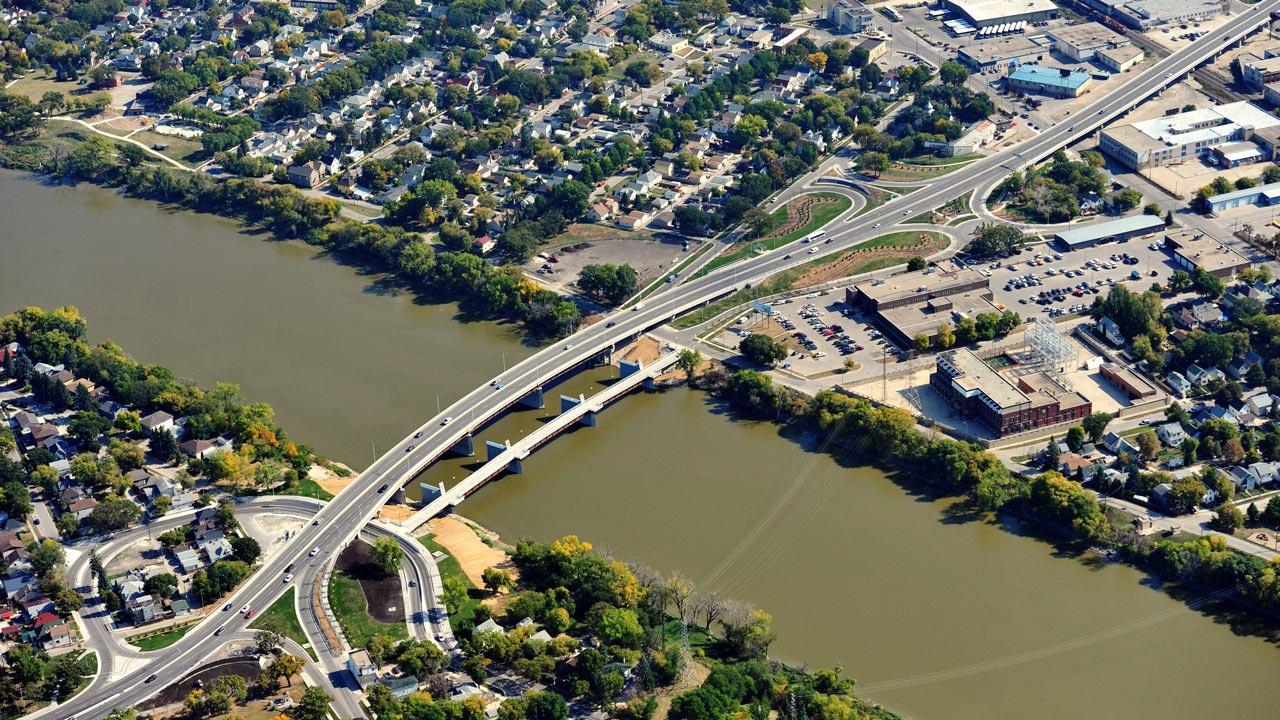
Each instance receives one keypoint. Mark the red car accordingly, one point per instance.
(248, 615)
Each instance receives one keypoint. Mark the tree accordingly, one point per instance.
(86, 426)
(1184, 494)
(1126, 199)
(1271, 514)
(916, 263)
(1227, 518)
(546, 705)
(389, 554)
(920, 342)
(1151, 209)
(1189, 448)
(1148, 444)
(267, 641)
(762, 349)
(620, 626)
(45, 556)
(496, 580)
(688, 361)
(114, 513)
(608, 282)
(246, 549)
(313, 705)
(1095, 425)
(161, 585)
(453, 593)
(1075, 438)
(953, 73)
(284, 668)
(874, 162)
(1052, 456)
(1253, 514)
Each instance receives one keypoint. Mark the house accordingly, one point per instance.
(1118, 445)
(490, 626)
(483, 245)
(306, 175)
(1180, 384)
(1240, 366)
(82, 508)
(188, 558)
(1171, 434)
(1111, 331)
(1077, 465)
(205, 448)
(1242, 479)
(361, 667)
(157, 421)
(56, 635)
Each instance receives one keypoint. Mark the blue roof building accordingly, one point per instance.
(1048, 81)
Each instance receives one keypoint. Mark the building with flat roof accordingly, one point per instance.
(1261, 195)
(1171, 138)
(1146, 14)
(1198, 250)
(914, 287)
(1048, 81)
(1108, 231)
(1081, 42)
(1005, 406)
(1000, 52)
(849, 16)
(1257, 72)
(1127, 381)
(928, 317)
(1237, 154)
(982, 13)
(1119, 59)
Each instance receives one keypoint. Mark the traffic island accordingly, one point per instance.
(366, 601)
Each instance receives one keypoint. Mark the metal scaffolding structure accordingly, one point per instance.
(1050, 351)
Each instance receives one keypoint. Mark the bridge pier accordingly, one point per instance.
(533, 400)
(431, 492)
(626, 368)
(568, 403)
(398, 496)
(465, 447)
(494, 449)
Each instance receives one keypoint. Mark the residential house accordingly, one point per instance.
(1111, 331)
(361, 667)
(157, 421)
(306, 175)
(1180, 384)
(1171, 434)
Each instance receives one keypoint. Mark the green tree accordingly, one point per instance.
(313, 705)
(389, 554)
(1095, 425)
(688, 361)
(1227, 518)
(762, 349)
(620, 626)
(546, 705)
(1075, 438)
(496, 580)
(608, 282)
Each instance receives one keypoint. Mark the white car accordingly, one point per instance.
(448, 419)
(288, 577)
(314, 552)
(244, 609)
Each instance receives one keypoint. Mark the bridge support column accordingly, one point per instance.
(398, 496)
(494, 449)
(626, 367)
(589, 420)
(533, 400)
(431, 492)
(465, 447)
(649, 384)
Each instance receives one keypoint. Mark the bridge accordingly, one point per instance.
(341, 519)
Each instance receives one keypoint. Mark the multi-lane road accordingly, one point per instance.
(342, 519)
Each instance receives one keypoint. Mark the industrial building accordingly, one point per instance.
(1146, 14)
(927, 317)
(913, 287)
(1261, 195)
(1237, 154)
(977, 391)
(1081, 42)
(982, 13)
(1185, 135)
(1197, 250)
(849, 16)
(1127, 381)
(1048, 81)
(1119, 59)
(1258, 71)
(1109, 231)
(1002, 52)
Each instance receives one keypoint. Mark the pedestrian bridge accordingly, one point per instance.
(507, 456)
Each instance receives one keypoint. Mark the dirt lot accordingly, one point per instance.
(329, 480)
(380, 590)
(468, 549)
(865, 259)
(175, 693)
(651, 255)
(646, 350)
(140, 553)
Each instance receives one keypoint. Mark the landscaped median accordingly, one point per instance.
(356, 579)
(874, 254)
(799, 217)
(160, 638)
(282, 619)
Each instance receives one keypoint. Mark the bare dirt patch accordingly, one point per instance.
(136, 554)
(468, 549)
(395, 512)
(275, 526)
(644, 350)
(381, 591)
(651, 255)
(177, 692)
(329, 480)
(694, 676)
(862, 260)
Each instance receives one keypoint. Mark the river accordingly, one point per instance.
(936, 617)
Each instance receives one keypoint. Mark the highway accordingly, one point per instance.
(342, 518)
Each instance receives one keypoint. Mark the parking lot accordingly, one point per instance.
(1047, 282)
(821, 333)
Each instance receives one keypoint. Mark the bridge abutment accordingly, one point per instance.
(627, 367)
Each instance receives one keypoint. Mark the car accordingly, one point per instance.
(409, 448)
(249, 615)
(150, 678)
(218, 631)
(448, 419)
(244, 609)
(383, 488)
(875, 225)
(288, 568)
(1144, 421)
(314, 552)
(288, 577)
(610, 324)
(418, 434)
(813, 250)
(568, 346)
(315, 522)
(226, 607)
(413, 583)
(786, 257)
(498, 386)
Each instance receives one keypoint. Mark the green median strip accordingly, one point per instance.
(822, 213)
(159, 639)
(347, 600)
(449, 567)
(282, 618)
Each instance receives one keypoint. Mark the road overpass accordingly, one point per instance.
(342, 518)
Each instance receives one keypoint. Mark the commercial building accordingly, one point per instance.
(1197, 250)
(1081, 42)
(1109, 231)
(1146, 14)
(1261, 195)
(876, 48)
(1257, 72)
(928, 317)
(977, 391)
(982, 13)
(914, 287)
(849, 16)
(1171, 138)
(1127, 381)
(1048, 81)
(1237, 154)
(1001, 52)
(1119, 59)
(974, 137)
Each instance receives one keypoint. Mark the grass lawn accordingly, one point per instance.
(699, 639)
(821, 215)
(962, 219)
(282, 618)
(306, 487)
(897, 238)
(34, 85)
(616, 71)
(176, 148)
(449, 568)
(147, 642)
(347, 600)
(875, 198)
(935, 160)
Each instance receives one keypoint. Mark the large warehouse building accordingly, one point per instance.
(984, 13)
(1185, 135)
(1005, 406)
